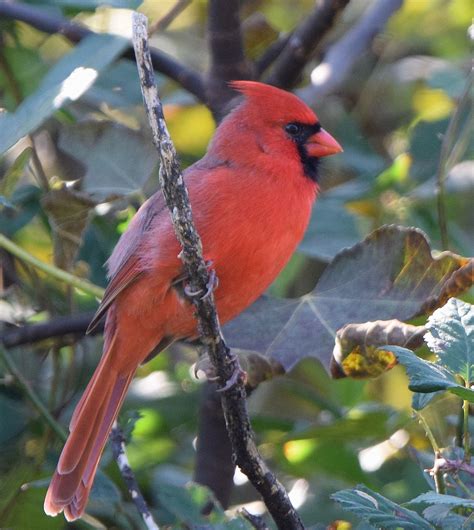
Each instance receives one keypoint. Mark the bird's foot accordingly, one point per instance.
(238, 376)
(211, 285)
(204, 365)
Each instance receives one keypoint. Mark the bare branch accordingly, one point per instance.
(44, 21)
(167, 19)
(255, 520)
(343, 55)
(270, 55)
(57, 327)
(226, 53)
(117, 440)
(304, 41)
(227, 365)
(214, 466)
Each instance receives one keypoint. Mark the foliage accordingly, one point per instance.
(76, 163)
(451, 337)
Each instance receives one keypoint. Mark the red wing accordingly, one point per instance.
(124, 264)
(127, 273)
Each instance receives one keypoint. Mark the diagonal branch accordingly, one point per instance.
(344, 54)
(304, 41)
(227, 55)
(226, 364)
(48, 23)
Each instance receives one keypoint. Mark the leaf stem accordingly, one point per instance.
(466, 435)
(31, 394)
(436, 472)
(51, 270)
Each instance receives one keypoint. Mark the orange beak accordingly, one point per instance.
(322, 144)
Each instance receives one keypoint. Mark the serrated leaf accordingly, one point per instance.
(429, 377)
(118, 160)
(67, 80)
(432, 497)
(451, 336)
(378, 510)
(389, 275)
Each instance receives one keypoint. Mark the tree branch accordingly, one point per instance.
(343, 55)
(226, 364)
(56, 327)
(44, 21)
(226, 53)
(214, 466)
(304, 41)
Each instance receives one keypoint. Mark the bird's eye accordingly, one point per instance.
(293, 129)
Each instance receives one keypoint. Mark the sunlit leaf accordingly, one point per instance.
(451, 336)
(66, 81)
(378, 510)
(427, 377)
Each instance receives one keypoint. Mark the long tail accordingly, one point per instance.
(89, 429)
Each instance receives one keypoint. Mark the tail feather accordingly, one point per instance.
(89, 429)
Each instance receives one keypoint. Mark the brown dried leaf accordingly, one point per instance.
(357, 350)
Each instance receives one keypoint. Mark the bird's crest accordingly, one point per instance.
(274, 102)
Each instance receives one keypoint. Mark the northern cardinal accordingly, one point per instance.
(251, 196)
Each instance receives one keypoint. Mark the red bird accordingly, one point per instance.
(251, 196)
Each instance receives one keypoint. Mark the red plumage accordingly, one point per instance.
(251, 196)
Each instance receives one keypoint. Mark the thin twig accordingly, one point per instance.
(117, 440)
(435, 471)
(303, 42)
(51, 270)
(466, 433)
(172, 14)
(31, 394)
(443, 168)
(58, 326)
(51, 23)
(270, 55)
(255, 520)
(226, 365)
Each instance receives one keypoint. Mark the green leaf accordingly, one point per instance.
(359, 424)
(26, 205)
(451, 336)
(429, 377)
(68, 213)
(16, 170)
(118, 160)
(432, 497)
(66, 81)
(378, 510)
(391, 274)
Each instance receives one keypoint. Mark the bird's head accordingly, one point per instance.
(284, 124)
